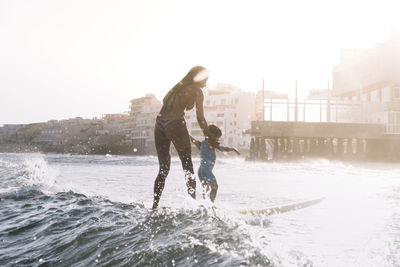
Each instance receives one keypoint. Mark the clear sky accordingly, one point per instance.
(63, 59)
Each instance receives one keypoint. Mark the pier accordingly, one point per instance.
(285, 140)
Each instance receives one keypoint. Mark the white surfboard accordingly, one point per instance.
(281, 209)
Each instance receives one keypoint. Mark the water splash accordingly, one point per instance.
(27, 176)
(39, 173)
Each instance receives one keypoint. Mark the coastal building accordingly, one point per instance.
(143, 112)
(371, 78)
(230, 109)
(115, 124)
(70, 135)
(77, 129)
(9, 133)
(51, 134)
(319, 94)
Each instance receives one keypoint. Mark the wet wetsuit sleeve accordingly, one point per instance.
(200, 112)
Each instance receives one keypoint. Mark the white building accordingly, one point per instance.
(319, 94)
(371, 78)
(231, 110)
(144, 111)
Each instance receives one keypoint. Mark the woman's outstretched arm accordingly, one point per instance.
(200, 112)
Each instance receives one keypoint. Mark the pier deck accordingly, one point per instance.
(317, 129)
(272, 140)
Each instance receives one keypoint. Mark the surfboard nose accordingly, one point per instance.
(282, 208)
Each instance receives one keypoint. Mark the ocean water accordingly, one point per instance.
(71, 210)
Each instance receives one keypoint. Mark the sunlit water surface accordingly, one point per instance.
(69, 210)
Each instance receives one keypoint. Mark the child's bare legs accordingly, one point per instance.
(208, 183)
(213, 186)
(214, 189)
(206, 188)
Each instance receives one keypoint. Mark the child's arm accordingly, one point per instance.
(196, 142)
(227, 149)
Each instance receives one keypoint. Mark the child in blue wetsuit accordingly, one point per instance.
(207, 159)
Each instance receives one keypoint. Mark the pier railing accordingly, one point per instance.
(338, 111)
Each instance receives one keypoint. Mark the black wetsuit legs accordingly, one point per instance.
(177, 134)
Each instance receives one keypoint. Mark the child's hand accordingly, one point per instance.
(195, 141)
(192, 139)
(236, 151)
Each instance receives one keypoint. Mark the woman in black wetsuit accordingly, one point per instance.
(171, 127)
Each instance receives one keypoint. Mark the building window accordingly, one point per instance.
(393, 125)
(219, 115)
(396, 92)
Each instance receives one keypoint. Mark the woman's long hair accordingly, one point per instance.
(196, 75)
